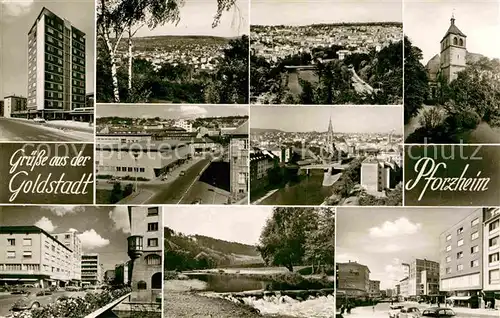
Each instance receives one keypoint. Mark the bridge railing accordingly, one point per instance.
(109, 306)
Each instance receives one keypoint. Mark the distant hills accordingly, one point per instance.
(321, 25)
(194, 248)
(263, 130)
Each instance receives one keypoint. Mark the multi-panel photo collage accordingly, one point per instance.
(218, 158)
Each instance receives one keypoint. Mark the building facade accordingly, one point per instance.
(145, 251)
(14, 105)
(260, 163)
(374, 290)
(377, 175)
(139, 160)
(56, 69)
(424, 278)
(461, 263)
(238, 162)
(353, 279)
(29, 254)
(72, 241)
(91, 269)
(491, 256)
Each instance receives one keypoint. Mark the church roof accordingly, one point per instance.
(453, 29)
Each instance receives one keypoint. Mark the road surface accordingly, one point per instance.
(381, 310)
(23, 130)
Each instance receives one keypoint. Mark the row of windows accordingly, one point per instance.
(78, 53)
(78, 83)
(53, 50)
(81, 39)
(77, 105)
(460, 242)
(130, 169)
(78, 45)
(493, 257)
(53, 32)
(12, 242)
(19, 267)
(152, 227)
(79, 60)
(26, 254)
(494, 225)
(460, 267)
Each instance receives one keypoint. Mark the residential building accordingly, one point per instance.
(461, 262)
(404, 288)
(283, 154)
(13, 105)
(145, 251)
(184, 124)
(71, 240)
(377, 175)
(56, 69)
(28, 254)
(491, 256)
(398, 289)
(424, 278)
(353, 279)
(140, 160)
(122, 138)
(123, 273)
(374, 289)
(238, 162)
(260, 163)
(91, 269)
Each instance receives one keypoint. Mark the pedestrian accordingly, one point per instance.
(349, 308)
(342, 309)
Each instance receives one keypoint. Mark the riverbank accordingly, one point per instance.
(189, 304)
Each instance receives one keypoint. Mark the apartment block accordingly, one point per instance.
(491, 252)
(91, 269)
(72, 241)
(353, 279)
(374, 289)
(29, 254)
(461, 263)
(145, 251)
(56, 70)
(13, 105)
(424, 278)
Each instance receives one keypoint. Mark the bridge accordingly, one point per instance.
(331, 171)
(123, 304)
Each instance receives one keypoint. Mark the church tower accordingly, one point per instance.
(453, 51)
(330, 144)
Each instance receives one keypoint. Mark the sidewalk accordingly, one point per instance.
(72, 129)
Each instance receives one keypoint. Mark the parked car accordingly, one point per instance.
(396, 306)
(72, 288)
(182, 173)
(409, 312)
(164, 178)
(197, 201)
(18, 291)
(395, 310)
(38, 120)
(32, 301)
(44, 292)
(438, 312)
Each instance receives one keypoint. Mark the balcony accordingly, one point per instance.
(135, 246)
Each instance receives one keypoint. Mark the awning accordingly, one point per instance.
(459, 297)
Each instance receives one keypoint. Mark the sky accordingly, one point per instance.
(102, 230)
(426, 22)
(383, 238)
(345, 119)
(306, 12)
(241, 224)
(16, 19)
(169, 111)
(196, 17)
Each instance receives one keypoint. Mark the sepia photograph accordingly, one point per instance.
(418, 262)
(452, 72)
(249, 261)
(326, 52)
(47, 70)
(172, 154)
(75, 261)
(321, 156)
(173, 51)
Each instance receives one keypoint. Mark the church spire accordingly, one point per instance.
(452, 20)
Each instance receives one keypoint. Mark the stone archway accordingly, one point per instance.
(156, 281)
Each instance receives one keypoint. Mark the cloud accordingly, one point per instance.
(16, 8)
(401, 226)
(91, 239)
(72, 230)
(64, 209)
(119, 216)
(193, 110)
(46, 224)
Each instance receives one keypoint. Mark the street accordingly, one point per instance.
(7, 300)
(24, 130)
(381, 310)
